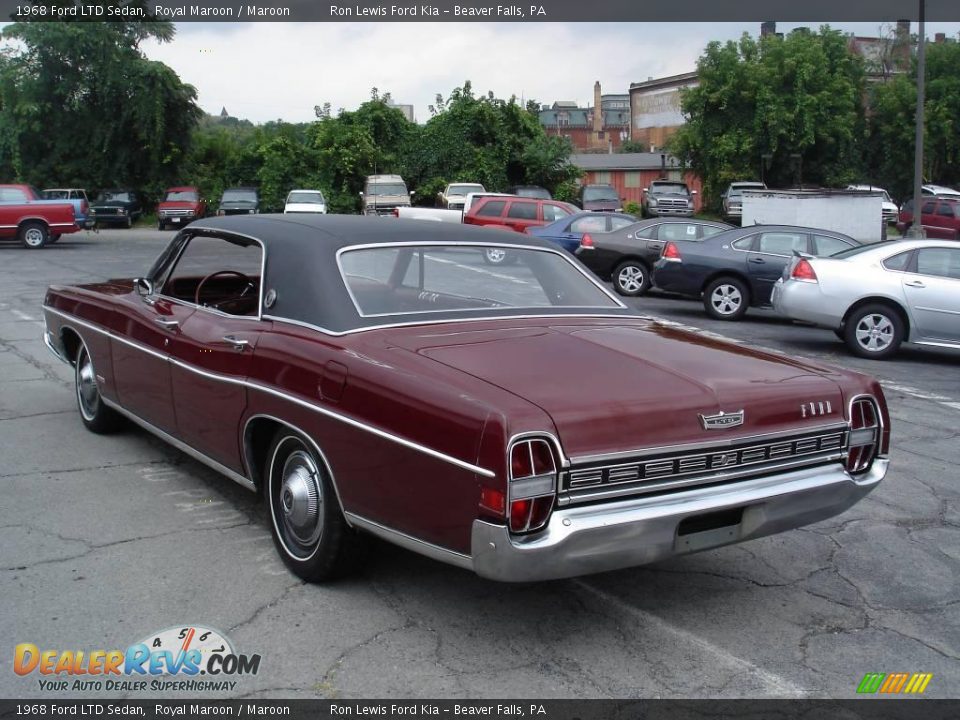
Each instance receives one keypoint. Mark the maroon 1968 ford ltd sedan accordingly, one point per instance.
(376, 376)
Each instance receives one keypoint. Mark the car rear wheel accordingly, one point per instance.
(726, 298)
(34, 235)
(309, 530)
(874, 331)
(96, 416)
(161, 225)
(631, 278)
(128, 223)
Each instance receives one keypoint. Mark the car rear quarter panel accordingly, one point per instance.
(388, 391)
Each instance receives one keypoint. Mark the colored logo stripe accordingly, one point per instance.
(894, 683)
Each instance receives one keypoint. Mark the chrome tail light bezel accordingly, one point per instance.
(866, 434)
(536, 483)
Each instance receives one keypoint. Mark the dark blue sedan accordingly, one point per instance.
(736, 269)
(567, 232)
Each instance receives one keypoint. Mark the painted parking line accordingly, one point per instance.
(775, 685)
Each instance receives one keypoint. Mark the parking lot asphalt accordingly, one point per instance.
(106, 540)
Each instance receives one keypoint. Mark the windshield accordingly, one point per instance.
(405, 280)
(668, 189)
(464, 189)
(306, 197)
(181, 196)
(110, 196)
(600, 193)
(239, 196)
(387, 189)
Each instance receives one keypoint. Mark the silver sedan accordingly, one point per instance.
(875, 297)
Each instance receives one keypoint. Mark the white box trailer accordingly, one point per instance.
(856, 213)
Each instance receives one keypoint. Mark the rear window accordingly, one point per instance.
(405, 280)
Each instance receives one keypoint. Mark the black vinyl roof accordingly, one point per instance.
(301, 264)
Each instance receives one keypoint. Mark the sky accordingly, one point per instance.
(274, 70)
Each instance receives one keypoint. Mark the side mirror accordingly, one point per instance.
(693, 192)
(144, 287)
(360, 194)
(646, 189)
(413, 192)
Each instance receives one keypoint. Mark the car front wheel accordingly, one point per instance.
(726, 298)
(874, 331)
(631, 278)
(309, 530)
(96, 416)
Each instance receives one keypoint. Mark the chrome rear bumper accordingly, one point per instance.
(609, 536)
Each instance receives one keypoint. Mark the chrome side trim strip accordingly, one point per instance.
(706, 445)
(181, 446)
(408, 542)
(489, 318)
(285, 396)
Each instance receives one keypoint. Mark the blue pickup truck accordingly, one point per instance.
(76, 197)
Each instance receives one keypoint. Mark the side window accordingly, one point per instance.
(649, 232)
(927, 208)
(494, 208)
(941, 262)
(12, 195)
(782, 243)
(522, 211)
(747, 243)
(907, 206)
(554, 212)
(217, 273)
(945, 210)
(825, 246)
(588, 223)
(677, 231)
(618, 223)
(898, 262)
(710, 230)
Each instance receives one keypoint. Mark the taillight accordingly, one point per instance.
(533, 484)
(671, 252)
(864, 435)
(586, 241)
(804, 271)
(396, 212)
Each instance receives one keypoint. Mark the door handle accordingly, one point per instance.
(914, 283)
(238, 344)
(167, 324)
(758, 261)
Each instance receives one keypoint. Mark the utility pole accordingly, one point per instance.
(916, 229)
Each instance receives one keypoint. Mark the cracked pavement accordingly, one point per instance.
(108, 539)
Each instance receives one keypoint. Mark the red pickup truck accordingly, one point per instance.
(24, 216)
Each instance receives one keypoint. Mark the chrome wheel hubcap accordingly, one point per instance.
(726, 299)
(33, 237)
(301, 502)
(496, 255)
(631, 279)
(874, 332)
(87, 392)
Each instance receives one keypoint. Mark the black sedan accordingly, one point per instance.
(117, 207)
(626, 255)
(736, 269)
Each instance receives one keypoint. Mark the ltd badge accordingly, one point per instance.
(722, 420)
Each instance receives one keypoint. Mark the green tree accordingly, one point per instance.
(81, 105)
(796, 99)
(891, 124)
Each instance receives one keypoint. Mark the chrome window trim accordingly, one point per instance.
(459, 243)
(286, 396)
(707, 444)
(221, 234)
